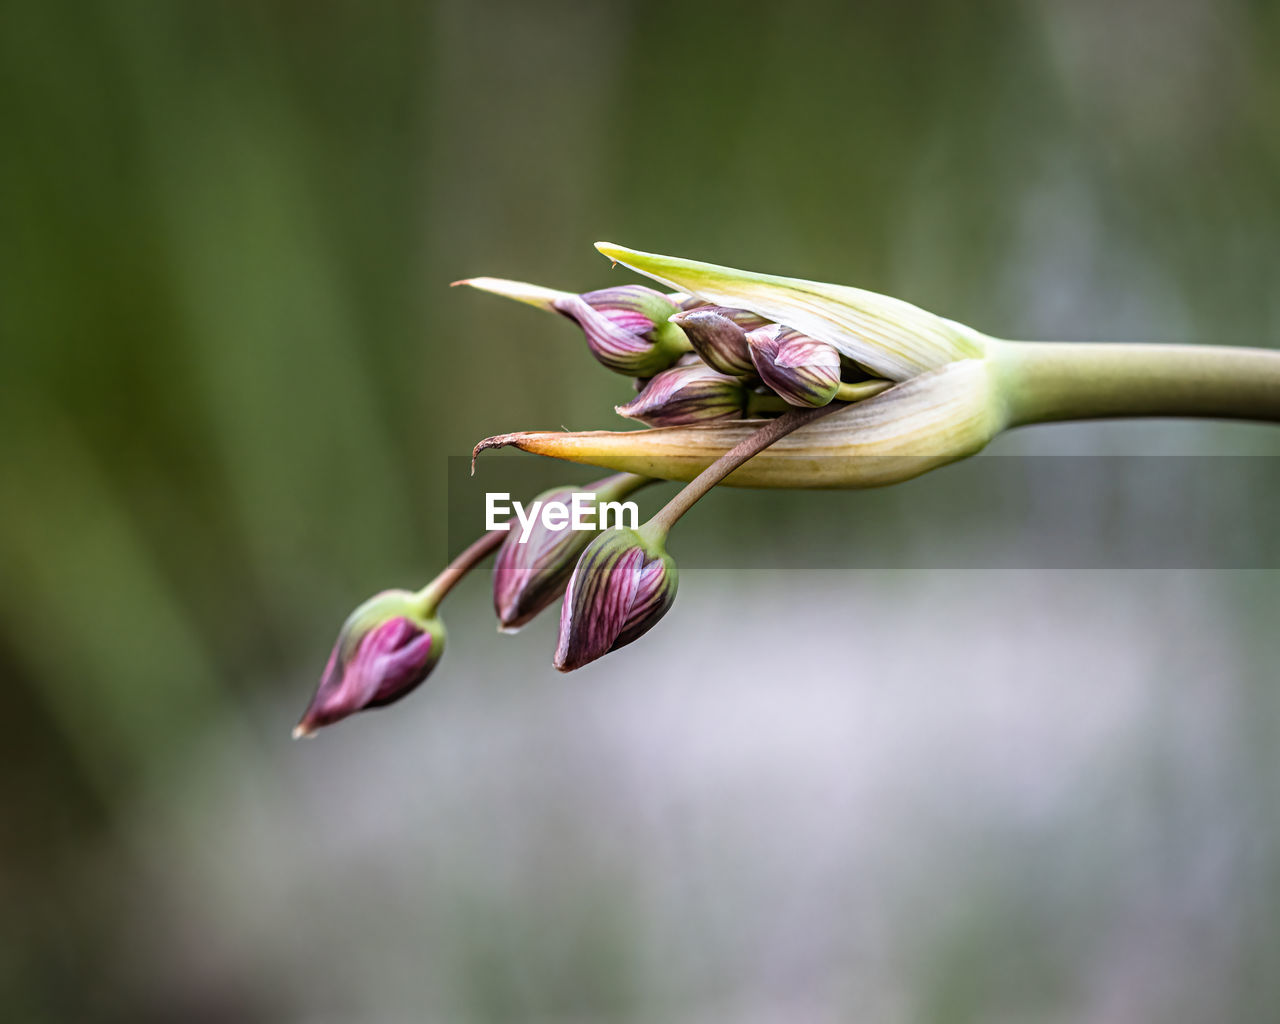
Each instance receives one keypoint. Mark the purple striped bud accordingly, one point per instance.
(692, 393)
(527, 577)
(803, 370)
(623, 584)
(385, 649)
(532, 572)
(719, 335)
(627, 328)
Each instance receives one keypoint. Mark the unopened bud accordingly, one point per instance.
(623, 584)
(803, 370)
(627, 328)
(385, 649)
(719, 335)
(692, 393)
(533, 567)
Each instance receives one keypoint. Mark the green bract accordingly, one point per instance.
(893, 338)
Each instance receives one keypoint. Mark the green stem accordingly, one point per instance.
(859, 390)
(759, 405)
(434, 592)
(772, 431)
(672, 339)
(1048, 381)
(855, 392)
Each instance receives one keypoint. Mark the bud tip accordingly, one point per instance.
(520, 291)
(611, 250)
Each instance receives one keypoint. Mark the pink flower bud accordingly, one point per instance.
(692, 393)
(385, 649)
(623, 584)
(803, 370)
(719, 335)
(627, 327)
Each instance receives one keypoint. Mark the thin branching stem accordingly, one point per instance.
(475, 553)
(772, 431)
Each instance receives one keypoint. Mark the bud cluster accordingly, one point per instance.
(696, 361)
(727, 347)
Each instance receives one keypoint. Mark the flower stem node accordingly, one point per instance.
(385, 649)
(803, 370)
(685, 394)
(623, 584)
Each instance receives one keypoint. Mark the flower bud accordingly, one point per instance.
(527, 577)
(719, 335)
(692, 393)
(530, 574)
(385, 649)
(623, 584)
(802, 370)
(627, 328)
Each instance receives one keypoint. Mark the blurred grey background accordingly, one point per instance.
(233, 375)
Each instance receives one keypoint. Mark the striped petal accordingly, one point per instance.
(622, 586)
(804, 371)
(693, 393)
(719, 336)
(531, 575)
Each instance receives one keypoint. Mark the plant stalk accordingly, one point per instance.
(1052, 381)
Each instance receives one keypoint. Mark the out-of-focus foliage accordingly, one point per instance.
(232, 373)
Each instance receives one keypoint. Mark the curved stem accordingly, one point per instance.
(1047, 381)
(434, 592)
(859, 390)
(731, 460)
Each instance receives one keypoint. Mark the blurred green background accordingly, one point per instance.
(233, 375)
